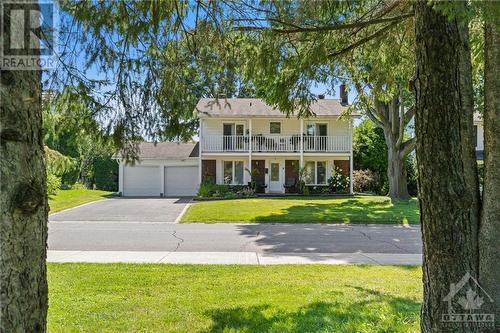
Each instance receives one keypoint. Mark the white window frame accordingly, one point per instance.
(316, 123)
(235, 123)
(281, 127)
(316, 173)
(233, 172)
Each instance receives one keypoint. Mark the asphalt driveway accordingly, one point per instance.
(125, 210)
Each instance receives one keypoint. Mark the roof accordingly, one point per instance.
(168, 150)
(255, 107)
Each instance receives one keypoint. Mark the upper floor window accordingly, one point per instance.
(275, 127)
(317, 129)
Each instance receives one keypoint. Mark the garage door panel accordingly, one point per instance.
(181, 180)
(141, 181)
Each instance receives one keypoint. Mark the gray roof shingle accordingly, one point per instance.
(255, 107)
(168, 150)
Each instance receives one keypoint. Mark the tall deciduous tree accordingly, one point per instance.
(23, 203)
(489, 249)
(369, 44)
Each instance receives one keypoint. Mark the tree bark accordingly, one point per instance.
(489, 235)
(23, 204)
(396, 169)
(448, 192)
(393, 121)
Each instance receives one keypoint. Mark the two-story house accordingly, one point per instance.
(244, 138)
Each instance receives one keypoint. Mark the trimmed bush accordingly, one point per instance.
(366, 181)
(208, 189)
(53, 183)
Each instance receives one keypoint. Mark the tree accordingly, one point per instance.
(369, 148)
(23, 203)
(489, 253)
(298, 46)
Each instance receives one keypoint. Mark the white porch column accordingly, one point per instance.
(200, 145)
(301, 163)
(350, 159)
(250, 148)
(120, 177)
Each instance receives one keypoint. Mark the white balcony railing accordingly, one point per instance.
(275, 143)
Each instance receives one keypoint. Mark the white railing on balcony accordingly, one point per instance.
(275, 143)
(334, 143)
(225, 143)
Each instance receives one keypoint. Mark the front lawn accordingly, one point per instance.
(199, 298)
(357, 209)
(71, 198)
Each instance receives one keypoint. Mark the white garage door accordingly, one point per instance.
(141, 181)
(181, 181)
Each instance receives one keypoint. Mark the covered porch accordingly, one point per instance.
(275, 173)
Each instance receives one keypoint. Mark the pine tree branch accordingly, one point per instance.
(364, 40)
(326, 28)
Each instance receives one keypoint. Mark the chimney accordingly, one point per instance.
(321, 96)
(343, 95)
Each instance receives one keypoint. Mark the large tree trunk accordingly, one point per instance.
(396, 169)
(448, 192)
(489, 236)
(23, 204)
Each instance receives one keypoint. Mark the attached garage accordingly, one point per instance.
(163, 169)
(141, 181)
(181, 180)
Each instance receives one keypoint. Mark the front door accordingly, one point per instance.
(275, 184)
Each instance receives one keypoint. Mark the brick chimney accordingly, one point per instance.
(343, 95)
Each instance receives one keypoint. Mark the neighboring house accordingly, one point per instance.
(479, 136)
(242, 134)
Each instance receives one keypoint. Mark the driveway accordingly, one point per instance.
(125, 210)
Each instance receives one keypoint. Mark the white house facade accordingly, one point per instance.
(244, 138)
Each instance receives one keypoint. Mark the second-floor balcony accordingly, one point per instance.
(275, 143)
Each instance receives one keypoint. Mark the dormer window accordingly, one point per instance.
(275, 127)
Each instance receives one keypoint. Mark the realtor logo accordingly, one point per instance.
(465, 300)
(28, 35)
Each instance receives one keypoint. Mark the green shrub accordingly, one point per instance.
(106, 174)
(208, 189)
(366, 181)
(53, 183)
(338, 183)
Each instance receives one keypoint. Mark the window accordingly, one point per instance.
(315, 173)
(233, 172)
(275, 172)
(310, 172)
(321, 172)
(275, 127)
(317, 129)
(238, 172)
(228, 172)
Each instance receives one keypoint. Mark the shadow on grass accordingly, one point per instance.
(348, 211)
(369, 311)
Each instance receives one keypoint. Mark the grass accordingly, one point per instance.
(71, 198)
(211, 298)
(357, 209)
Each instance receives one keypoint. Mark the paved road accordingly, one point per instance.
(258, 238)
(126, 210)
